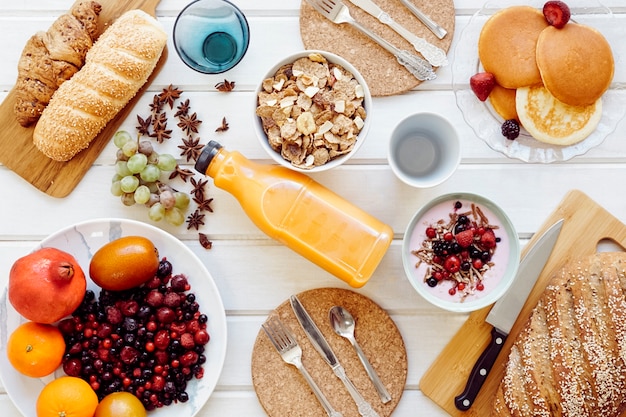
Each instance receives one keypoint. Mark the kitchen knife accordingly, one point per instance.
(505, 311)
(323, 348)
(436, 56)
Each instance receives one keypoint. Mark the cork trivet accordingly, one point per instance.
(282, 391)
(384, 75)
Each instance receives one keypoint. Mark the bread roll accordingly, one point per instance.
(50, 58)
(570, 358)
(116, 67)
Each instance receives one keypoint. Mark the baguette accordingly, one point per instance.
(116, 67)
(570, 357)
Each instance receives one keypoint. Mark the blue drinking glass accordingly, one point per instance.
(211, 36)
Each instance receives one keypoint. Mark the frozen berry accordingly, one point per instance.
(510, 129)
(452, 264)
(556, 13)
(488, 239)
(482, 83)
(465, 238)
(432, 282)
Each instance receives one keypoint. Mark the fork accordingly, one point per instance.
(287, 346)
(337, 12)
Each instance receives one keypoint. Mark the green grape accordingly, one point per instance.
(137, 163)
(121, 137)
(116, 177)
(154, 187)
(150, 173)
(119, 156)
(153, 158)
(129, 183)
(127, 199)
(142, 194)
(130, 148)
(166, 162)
(121, 169)
(116, 188)
(156, 212)
(174, 216)
(167, 199)
(182, 200)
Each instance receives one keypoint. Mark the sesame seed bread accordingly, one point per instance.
(116, 67)
(570, 357)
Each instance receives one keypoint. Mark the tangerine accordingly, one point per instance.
(36, 349)
(120, 404)
(68, 396)
(124, 263)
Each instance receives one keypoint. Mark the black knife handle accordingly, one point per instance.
(480, 371)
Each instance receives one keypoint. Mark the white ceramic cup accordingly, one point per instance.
(424, 150)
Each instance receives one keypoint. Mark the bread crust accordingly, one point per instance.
(116, 67)
(570, 357)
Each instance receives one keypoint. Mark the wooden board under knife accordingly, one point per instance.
(17, 151)
(586, 224)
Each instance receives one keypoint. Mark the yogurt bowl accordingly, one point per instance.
(460, 252)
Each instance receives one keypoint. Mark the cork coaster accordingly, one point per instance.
(282, 391)
(384, 75)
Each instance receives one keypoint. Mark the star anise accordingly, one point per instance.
(204, 241)
(183, 173)
(225, 86)
(156, 106)
(223, 127)
(159, 121)
(192, 148)
(182, 109)
(161, 134)
(169, 95)
(144, 125)
(204, 204)
(195, 219)
(198, 188)
(189, 123)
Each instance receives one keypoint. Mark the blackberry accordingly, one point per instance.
(510, 129)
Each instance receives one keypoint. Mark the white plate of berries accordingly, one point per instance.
(505, 136)
(131, 340)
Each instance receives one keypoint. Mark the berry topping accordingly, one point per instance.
(452, 264)
(465, 238)
(488, 239)
(510, 129)
(556, 13)
(482, 83)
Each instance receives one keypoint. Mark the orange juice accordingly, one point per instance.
(302, 214)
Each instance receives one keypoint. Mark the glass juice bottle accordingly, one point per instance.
(297, 211)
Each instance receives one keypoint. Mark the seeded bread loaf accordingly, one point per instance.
(116, 67)
(570, 358)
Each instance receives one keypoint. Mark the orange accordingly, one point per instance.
(120, 404)
(36, 349)
(68, 396)
(124, 263)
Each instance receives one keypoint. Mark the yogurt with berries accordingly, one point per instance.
(461, 252)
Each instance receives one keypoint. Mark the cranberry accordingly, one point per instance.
(431, 233)
(201, 337)
(72, 367)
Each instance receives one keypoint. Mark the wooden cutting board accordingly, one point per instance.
(586, 224)
(19, 154)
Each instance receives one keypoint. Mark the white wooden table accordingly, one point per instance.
(253, 273)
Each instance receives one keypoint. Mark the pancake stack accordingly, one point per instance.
(551, 80)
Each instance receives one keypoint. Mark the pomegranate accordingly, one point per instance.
(46, 285)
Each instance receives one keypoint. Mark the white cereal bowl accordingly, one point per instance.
(497, 279)
(367, 104)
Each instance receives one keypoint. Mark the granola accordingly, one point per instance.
(311, 111)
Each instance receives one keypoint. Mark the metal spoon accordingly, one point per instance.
(343, 324)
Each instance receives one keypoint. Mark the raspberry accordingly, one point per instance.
(510, 129)
(488, 239)
(465, 238)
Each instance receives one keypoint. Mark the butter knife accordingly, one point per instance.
(426, 20)
(436, 56)
(323, 348)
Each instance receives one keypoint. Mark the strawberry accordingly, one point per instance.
(488, 239)
(465, 238)
(556, 13)
(482, 83)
